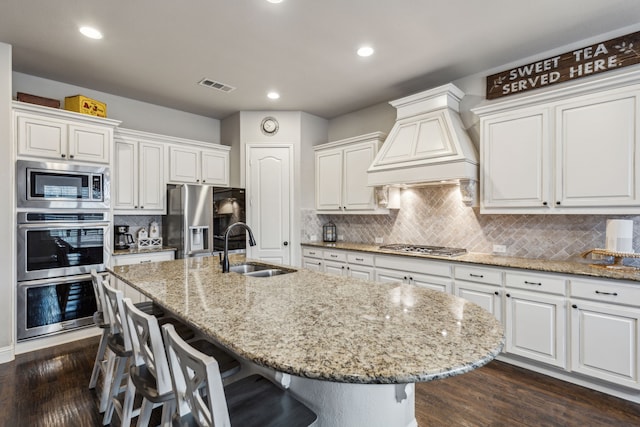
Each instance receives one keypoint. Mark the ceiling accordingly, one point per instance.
(158, 50)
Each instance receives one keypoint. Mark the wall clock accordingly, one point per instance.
(269, 126)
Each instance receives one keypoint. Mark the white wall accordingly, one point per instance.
(7, 218)
(377, 118)
(133, 114)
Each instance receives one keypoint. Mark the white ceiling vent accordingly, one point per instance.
(216, 85)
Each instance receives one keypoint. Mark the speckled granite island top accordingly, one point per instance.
(552, 266)
(324, 327)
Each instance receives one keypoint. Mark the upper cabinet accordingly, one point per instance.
(199, 164)
(567, 151)
(139, 180)
(341, 174)
(48, 133)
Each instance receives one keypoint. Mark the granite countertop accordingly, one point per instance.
(585, 268)
(136, 250)
(325, 327)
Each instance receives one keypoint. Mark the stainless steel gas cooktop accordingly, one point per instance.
(424, 250)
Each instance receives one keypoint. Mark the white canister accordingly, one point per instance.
(154, 230)
(619, 235)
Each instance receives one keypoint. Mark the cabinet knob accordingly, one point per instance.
(135, 207)
(197, 180)
(63, 155)
(71, 156)
(508, 295)
(544, 203)
(204, 180)
(342, 267)
(497, 293)
(574, 306)
(557, 203)
(405, 277)
(410, 278)
(285, 243)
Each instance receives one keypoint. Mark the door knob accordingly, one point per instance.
(286, 243)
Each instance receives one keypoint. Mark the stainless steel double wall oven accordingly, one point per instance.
(63, 233)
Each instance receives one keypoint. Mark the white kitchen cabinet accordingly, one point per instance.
(536, 316)
(605, 333)
(482, 286)
(415, 271)
(570, 150)
(140, 258)
(348, 264)
(199, 164)
(138, 180)
(48, 133)
(341, 174)
(312, 259)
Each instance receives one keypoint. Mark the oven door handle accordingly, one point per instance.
(58, 225)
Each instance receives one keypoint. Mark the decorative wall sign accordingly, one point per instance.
(597, 58)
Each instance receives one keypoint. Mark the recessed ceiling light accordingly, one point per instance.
(365, 51)
(91, 32)
(273, 95)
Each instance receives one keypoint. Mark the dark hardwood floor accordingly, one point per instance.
(49, 388)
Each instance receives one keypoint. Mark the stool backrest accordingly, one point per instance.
(99, 293)
(191, 371)
(115, 309)
(147, 345)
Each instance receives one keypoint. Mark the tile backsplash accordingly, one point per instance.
(435, 215)
(136, 222)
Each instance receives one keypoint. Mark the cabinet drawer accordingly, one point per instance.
(360, 258)
(536, 282)
(480, 275)
(142, 258)
(606, 291)
(414, 264)
(335, 255)
(312, 253)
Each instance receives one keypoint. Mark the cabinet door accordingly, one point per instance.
(215, 167)
(486, 296)
(151, 183)
(329, 180)
(597, 151)
(312, 264)
(335, 268)
(435, 283)
(515, 160)
(356, 194)
(89, 143)
(604, 342)
(184, 165)
(125, 176)
(536, 326)
(41, 137)
(361, 272)
(391, 276)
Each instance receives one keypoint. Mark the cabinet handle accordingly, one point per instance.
(497, 293)
(312, 253)
(557, 203)
(342, 267)
(615, 294)
(410, 278)
(319, 263)
(574, 306)
(544, 203)
(333, 256)
(71, 156)
(197, 180)
(405, 277)
(63, 155)
(508, 295)
(532, 283)
(359, 259)
(141, 207)
(476, 275)
(145, 261)
(204, 180)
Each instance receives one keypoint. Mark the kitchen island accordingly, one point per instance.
(350, 349)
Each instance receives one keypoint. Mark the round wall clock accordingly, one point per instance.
(269, 126)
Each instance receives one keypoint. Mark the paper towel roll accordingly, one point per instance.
(619, 235)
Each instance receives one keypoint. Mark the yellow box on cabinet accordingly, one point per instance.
(84, 105)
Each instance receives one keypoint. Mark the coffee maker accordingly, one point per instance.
(123, 240)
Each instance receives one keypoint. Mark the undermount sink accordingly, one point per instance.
(259, 270)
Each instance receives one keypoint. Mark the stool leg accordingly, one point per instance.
(108, 380)
(97, 365)
(168, 408)
(121, 363)
(127, 404)
(145, 413)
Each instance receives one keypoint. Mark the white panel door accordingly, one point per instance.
(269, 171)
(89, 143)
(357, 159)
(329, 179)
(152, 184)
(125, 175)
(41, 137)
(215, 170)
(486, 296)
(184, 165)
(604, 342)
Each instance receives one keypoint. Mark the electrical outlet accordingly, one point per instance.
(340, 236)
(499, 249)
(313, 238)
(379, 240)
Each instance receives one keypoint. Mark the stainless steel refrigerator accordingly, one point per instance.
(188, 224)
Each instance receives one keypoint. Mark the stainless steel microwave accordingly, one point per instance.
(51, 185)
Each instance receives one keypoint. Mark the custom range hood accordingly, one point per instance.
(427, 144)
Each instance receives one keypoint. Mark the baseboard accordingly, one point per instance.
(574, 378)
(6, 354)
(63, 338)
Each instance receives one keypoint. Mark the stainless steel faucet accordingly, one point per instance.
(252, 242)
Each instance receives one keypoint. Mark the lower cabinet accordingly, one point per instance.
(146, 258)
(482, 286)
(312, 259)
(605, 320)
(430, 274)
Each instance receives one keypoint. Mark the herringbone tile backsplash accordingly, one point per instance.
(435, 216)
